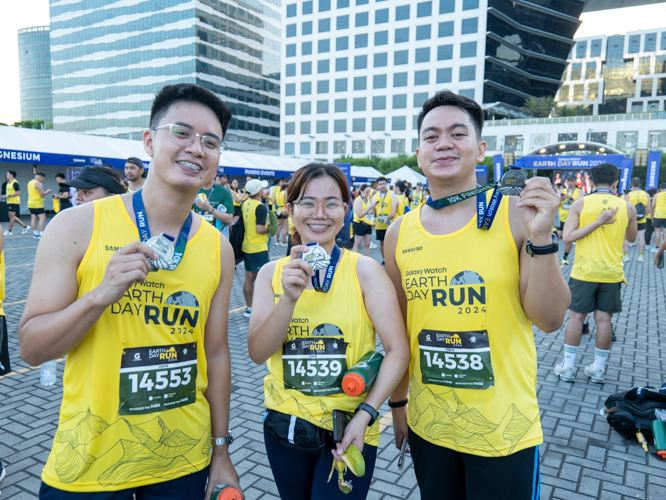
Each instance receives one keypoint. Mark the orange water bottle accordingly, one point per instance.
(361, 376)
(226, 492)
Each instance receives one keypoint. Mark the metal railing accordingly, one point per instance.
(652, 115)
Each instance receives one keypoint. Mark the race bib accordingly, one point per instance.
(369, 218)
(314, 365)
(382, 218)
(157, 378)
(456, 359)
(566, 206)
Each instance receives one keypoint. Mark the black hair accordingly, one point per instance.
(13, 172)
(188, 92)
(401, 186)
(380, 179)
(41, 173)
(447, 98)
(61, 175)
(652, 192)
(604, 174)
(635, 182)
(662, 186)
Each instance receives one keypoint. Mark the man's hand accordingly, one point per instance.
(47, 191)
(205, 205)
(607, 216)
(221, 471)
(539, 205)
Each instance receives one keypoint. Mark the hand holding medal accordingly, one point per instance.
(539, 204)
(296, 274)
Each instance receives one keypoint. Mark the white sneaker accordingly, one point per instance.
(625, 258)
(654, 249)
(35, 236)
(596, 374)
(7, 233)
(248, 312)
(25, 230)
(566, 374)
(372, 245)
(640, 258)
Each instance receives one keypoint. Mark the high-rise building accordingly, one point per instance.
(110, 57)
(356, 72)
(617, 74)
(35, 74)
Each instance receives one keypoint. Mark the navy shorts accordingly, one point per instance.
(255, 261)
(36, 211)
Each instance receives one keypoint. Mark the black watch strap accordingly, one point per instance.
(374, 414)
(548, 249)
(398, 404)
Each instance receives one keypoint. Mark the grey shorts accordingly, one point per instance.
(588, 296)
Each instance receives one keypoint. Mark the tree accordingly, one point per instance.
(577, 110)
(539, 107)
(3, 124)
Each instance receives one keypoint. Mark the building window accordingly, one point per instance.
(595, 48)
(653, 106)
(400, 57)
(323, 67)
(578, 90)
(307, 28)
(445, 29)
(305, 127)
(342, 43)
(306, 48)
(581, 49)
(402, 35)
(359, 103)
(600, 137)
(306, 88)
(423, 32)
(361, 41)
(443, 75)
(324, 5)
(447, 6)
(660, 64)
(399, 101)
(468, 49)
(306, 68)
(324, 25)
(636, 107)
(470, 25)
(322, 126)
(360, 83)
(322, 107)
(290, 148)
(590, 70)
(322, 147)
(646, 87)
(564, 94)
(469, 93)
(567, 137)
(377, 146)
(342, 22)
(291, 30)
(470, 4)
(424, 9)
(381, 16)
(361, 19)
(379, 82)
(342, 4)
(341, 105)
(398, 145)
(341, 85)
(415, 145)
(379, 102)
(444, 52)
(415, 122)
(400, 80)
(422, 55)
(645, 65)
(306, 107)
(593, 91)
(650, 43)
(290, 89)
(402, 13)
(467, 73)
(290, 128)
(291, 10)
(323, 46)
(358, 147)
(491, 142)
(634, 44)
(341, 64)
(360, 62)
(420, 98)
(322, 87)
(305, 148)
(358, 125)
(290, 70)
(340, 126)
(380, 60)
(576, 71)
(290, 108)
(291, 50)
(399, 123)
(339, 147)
(381, 38)
(663, 41)
(378, 124)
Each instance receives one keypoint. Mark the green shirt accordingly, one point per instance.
(220, 199)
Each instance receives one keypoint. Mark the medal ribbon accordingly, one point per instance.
(330, 270)
(144, 230)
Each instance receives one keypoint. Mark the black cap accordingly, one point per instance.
(136, 161)
(91, 177)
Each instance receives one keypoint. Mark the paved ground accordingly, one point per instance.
(581, 457)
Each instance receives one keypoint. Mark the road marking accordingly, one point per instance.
(19, 265)
(13, 303)
(19, 248)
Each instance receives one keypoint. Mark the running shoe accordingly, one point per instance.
(372, 245)
(3, 471)
(248, 312)
(596, 374)
(564, 262)
(586, 327)
(614, 339)
(7, 233)
(640, 258)
(25, 230)
(625, 258)
(567, 374)
(36, 236)
(654, 250)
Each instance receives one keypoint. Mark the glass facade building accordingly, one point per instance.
(110, 58)
(35, 74)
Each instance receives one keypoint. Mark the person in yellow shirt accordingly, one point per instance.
(5, 362)
(143, 323)
(568, 195)
(469, 297)
(659, 216)
(255, 240)
(641, 201)
(417, 196)
(11, 193)
(599, 223)
(399, 190)
(363, 219)
(36, 195)
(386, 204)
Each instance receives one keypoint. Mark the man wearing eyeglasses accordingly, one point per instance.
(141, 313)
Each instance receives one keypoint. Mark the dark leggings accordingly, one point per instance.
(302, 475)
(649, 230)
(471, 477)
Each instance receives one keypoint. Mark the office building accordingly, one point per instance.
(35, 74)
(109, 58)
(356, 72)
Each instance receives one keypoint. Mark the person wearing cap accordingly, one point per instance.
(135, 173)
(567, 196)
(255, 240)
(216, 206)
(95, 183)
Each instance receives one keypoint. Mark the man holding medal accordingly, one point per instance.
(141, 314)
(474, 268)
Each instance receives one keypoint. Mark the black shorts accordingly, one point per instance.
(380, 234)
(254, 261)
(472, 476)
(237, 211)
(589, 296)
(361, 229)
(36, 211)
(561, 226)
(642, 226)
(658, 222)
(14, 207)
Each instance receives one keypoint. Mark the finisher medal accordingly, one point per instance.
(162, 245)
(512, 182)
(202, 197)
(317, 257)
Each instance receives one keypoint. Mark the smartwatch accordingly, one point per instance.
(374, 415)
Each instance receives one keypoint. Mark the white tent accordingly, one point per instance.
(364, 173)
(407, 174)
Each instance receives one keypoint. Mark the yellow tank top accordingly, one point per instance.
(660, 205)
(240, 197)
(369, 218)
(640, 196)
(133, 410)
(403, 203)
(10, 189)
(383, 209)
(473, 367)
(599, 254)
(253, 242)
(417, 198)
(318, 327)
(2, 282)
(279, 200)
(565, 205)
(35, 200)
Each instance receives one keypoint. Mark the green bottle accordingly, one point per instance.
(361, 376)
(659, 433)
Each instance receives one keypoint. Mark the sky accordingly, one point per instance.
(16, 15)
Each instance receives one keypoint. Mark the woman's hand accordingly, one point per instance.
(296, 274)
(354, 434)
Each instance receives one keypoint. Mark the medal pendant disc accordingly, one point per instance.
(162, 247)
(512, 182)
(317, 257)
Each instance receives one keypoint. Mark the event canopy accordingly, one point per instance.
(407, 174)
(364, 174)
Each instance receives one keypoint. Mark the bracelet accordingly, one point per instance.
(398, 404)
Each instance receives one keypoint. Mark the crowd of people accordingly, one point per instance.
(144, 282)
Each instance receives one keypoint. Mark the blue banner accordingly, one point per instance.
(583, 162)
(344, 234)
(652, 178)
(14, 156)
(482, 175)
(257, 172)
(626, 166)
(498, 167)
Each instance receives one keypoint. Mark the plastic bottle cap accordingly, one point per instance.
(661, 453)
(229, 493)
(353, 384)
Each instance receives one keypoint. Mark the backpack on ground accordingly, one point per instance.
(629, 411)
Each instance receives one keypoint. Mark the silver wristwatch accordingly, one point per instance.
(223, 440)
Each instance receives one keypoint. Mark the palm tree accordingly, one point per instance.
(577, 110)
(539, 107)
